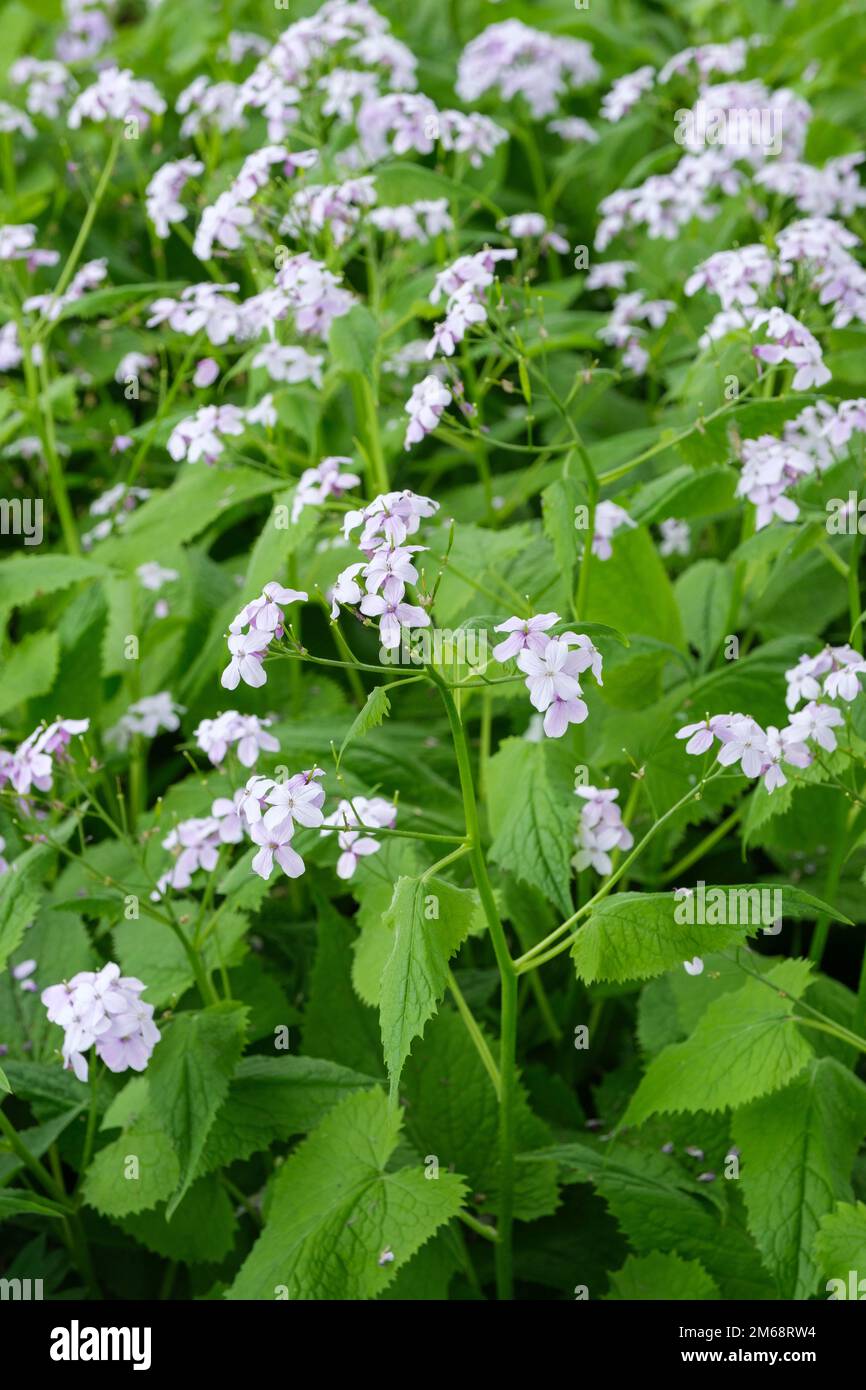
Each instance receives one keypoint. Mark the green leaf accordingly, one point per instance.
(279, 538)
(198, 498)
(155, 954)
(532, 818)
(133, 1173)
(15, 1203)
(201, 1231)
(274, 1098)
(658, 1206)
(20, 895)
(335, 1210)
(632, 936)
(761, 807)
(558, 502)
(336, 1023)
(430, 920)
(683, 493)
(797, 1147)
(452, 1112)
(23, 580)
(4, 1083)
(29, 669)
(840, 1244)
(189, 1079)
(39, 1138)
(662, 1277)
(703, 593)
(376, 709)
(745, 1045)
(353, 341)
(109, 301)
(632, 592)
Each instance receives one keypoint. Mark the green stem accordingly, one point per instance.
(540, 953)
(40, 400)
(92, 1114)
(508, 997)
(718, 833)
(84, 230)
(476, 1035)
(40, 1173)
(480, 1228)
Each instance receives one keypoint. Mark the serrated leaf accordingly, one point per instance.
(201, 1231)
(797, 1147)
(745, 1045)
(452, 1111)
(662, 1277)
(335, 1210)
(416, 972)
(840, 1245)
(532, 820)
(275, 1098)
(117, 1186)
(377, 707)
(20, 895)
(658, 1206)
(189, 1078)
(633, 936)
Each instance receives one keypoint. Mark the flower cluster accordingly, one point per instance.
(146, 718)
(600, 830)
(425, 407)
(31, 764)
(761, 752)
(834, 673)
(251, 633)
(810, 443)
(622, 330)
(463, 284)
(552, 666)
(104, 1010)
(316, 485)
(116, 96)
(609, 518)
(377, 584)
(215, 736)
(162, 195)
(200, 436)
(113, 507)
(351, 819)
(521, 61)
(419, 221)
(225, 222)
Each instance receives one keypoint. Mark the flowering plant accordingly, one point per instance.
(432, 447)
